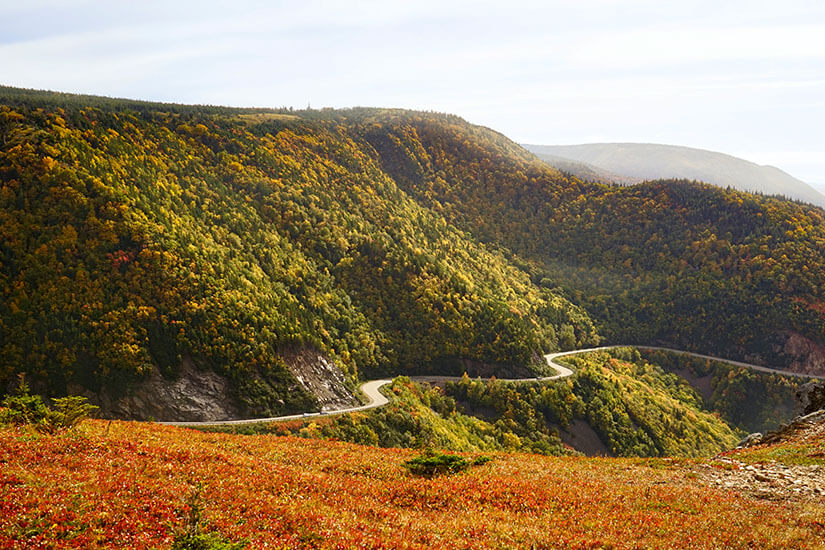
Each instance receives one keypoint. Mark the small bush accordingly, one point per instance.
(481, 460)
(192, 538)
(432, 463)
(68, 412)
(204, 541)
(26, 409)
(22, 407)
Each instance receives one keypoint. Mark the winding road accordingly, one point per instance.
(372, 388)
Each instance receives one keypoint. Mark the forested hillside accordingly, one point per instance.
(140, 237)
(676, 262)
(617, 404)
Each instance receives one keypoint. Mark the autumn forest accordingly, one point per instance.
(137, 237)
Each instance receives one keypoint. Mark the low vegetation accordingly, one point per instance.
(192, 536)
(24, 409)
(432, 463)
(129, 483)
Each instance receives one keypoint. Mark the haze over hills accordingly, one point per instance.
(585, 171)
(645, 161)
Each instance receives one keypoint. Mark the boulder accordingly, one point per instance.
(810, 397)
(752, 439)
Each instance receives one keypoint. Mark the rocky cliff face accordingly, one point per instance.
(806, 356)
(201, 395)
(195, 395)
(319, 376)
(810, 398)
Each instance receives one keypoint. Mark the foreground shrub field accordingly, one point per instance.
(130, 485)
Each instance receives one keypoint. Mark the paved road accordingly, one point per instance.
(728, 361)
(372, 388)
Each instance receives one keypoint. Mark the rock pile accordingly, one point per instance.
(772, 480)
(769, 480)
(799, 423)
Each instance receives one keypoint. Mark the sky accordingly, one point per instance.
(745, 78)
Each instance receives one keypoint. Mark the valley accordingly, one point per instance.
(256, 272)
(375, 398)
(144, 242)
(623, 401)
(193, 264)
(313, 276)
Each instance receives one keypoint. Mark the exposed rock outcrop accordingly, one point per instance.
(810, 397)
(204, 395)
(196, 395)
(751, 439)
(769, 480)
(319, 376)
(806, 356)
(773, 479)
(799, 424)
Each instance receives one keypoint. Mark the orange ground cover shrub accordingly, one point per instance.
(125, 485)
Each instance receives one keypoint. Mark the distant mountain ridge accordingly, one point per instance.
(647, 161)
(586, 171)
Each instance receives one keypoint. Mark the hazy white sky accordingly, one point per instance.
(741, 77)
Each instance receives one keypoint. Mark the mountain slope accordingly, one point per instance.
(142, 243)
(673, 262)
(645, 161)
(145, 241)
